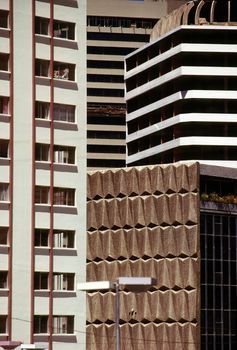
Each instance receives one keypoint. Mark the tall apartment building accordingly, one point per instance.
(42, 171)
(115, 28)
(181, 87)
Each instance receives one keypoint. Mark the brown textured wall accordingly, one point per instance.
(144, 222)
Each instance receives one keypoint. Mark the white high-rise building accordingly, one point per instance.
(42, 171)
(181, 88)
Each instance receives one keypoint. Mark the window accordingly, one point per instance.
(64, 196)
(3, 235)
(125, 22)
(41, 152)
(41, 194)
(41, 25)
(3, 19)
(3, 279)
(64, 71)
(65, 113)
(4, 61)
(3, 324)
(64, 154)
(41, 68)
(64, 239)
(64, 30)
(40, 324)
(4, 148)
(41, 238)
(41, 280)
(41, 110)
(63, 324)
(4, 194)
(63, 281)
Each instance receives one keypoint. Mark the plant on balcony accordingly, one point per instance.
(215, 197)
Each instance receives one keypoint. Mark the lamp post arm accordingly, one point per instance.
(117, 315)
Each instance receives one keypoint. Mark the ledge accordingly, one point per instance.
(65, 84)
(4, 32)
(4, 161)
(5, 75)
(42, 251)
(65, 167)
(220, 207)
(63, 209)
(41, 293)
(40, 122)
(61, 251)
(4, 249)
(63, 125)
(65, 338)
(4, 292)
(64, 293)
(43, 208)
(65, 43)
(4, 205)
(42, 80)
(5, 118)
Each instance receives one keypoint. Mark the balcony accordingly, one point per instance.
(41, 281)
(3, 324)
(41, 152)
(40, 324)
(64, 239)
(64, 113)
(41, 238)
(64, 154)
(3, 19)
(64, 30)
(3, 235)
(41, 68)
(61, 238)
(4, 105)
(4, 145)
(41, 195)
(64, 196)
(41, 25)
(3, 280)
(41, 110)
(64, 71)
(63, 281)
(61, 324)
(4, 192)
(4, 59)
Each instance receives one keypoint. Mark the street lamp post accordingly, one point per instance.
(135, 284)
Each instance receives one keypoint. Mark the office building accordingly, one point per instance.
(181, 88)
(164, 221)
(115, 28)
(42, 171)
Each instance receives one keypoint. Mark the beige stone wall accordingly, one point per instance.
(127, 8)
(144, 222)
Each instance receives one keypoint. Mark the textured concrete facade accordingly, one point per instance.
(145, 222)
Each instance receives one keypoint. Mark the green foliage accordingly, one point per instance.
(215, 197)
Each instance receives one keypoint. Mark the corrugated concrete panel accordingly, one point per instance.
(144, 221)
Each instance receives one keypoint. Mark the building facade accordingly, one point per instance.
(164, 221)
(181, 88)
(42, 171)
(115, 28)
